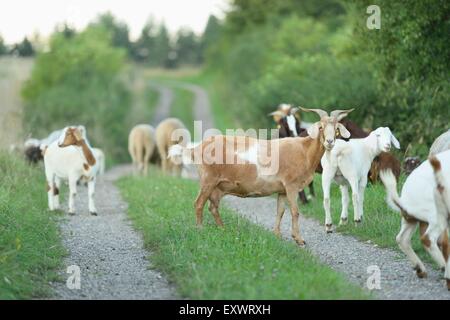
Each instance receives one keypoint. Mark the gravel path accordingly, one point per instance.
(162, 110)
(107, 250)
(348, 255)
(202, 107)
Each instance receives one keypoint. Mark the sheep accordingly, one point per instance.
(141, 145)
(243, 174)
(424, 201)
(70, 158)
(442, 143)
(348, 163)
(165, 139)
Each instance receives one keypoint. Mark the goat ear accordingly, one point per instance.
(277, 115)
(313, 130)
(394, 141)
(343, 131)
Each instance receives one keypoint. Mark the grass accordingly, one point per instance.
(223, 119)
(241, 261)
(13, 72)
(182, 107)
(30, 247)
(380, 224)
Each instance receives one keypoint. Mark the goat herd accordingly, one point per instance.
(334, 147)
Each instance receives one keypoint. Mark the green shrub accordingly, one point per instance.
(77, 82)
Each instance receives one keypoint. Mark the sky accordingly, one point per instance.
(20, 18)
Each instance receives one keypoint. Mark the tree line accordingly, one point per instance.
(155, 46)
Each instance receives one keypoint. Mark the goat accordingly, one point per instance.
(141, 145)
(164, 140)
(70, 158)
(425, 200)
(410, 164)
(348, 163)
(297, 159)
(442, 143)
(34, 148)
(289, 126)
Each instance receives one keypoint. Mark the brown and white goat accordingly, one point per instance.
(424, 201)
(246, 175)
(70, 158)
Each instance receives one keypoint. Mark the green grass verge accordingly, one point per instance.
(241, 261)
(380, 224)
(30, 246)
(182, 107)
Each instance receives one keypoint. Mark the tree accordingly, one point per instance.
(3, 49)
(161, 48)
(24, 48)
(119, 30)
(211, 35)
(146, 41)
(153, 45)
(187, 47)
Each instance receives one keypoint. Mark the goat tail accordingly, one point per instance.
(441, 194)
(392, 197)
(180, 155)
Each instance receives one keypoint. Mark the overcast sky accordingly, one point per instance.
(19, 18)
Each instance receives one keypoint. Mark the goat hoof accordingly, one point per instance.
(93, 213)
(420, 273)
(329, 228)
(300, 242)
(343, 221)
(358, 221)
(71, 213)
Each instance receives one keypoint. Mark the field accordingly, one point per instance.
(13, 71)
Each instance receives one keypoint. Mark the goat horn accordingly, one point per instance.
(294, 110)
(340, 114)
(277, 113)
(320, 112)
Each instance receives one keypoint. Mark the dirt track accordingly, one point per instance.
(107, 250)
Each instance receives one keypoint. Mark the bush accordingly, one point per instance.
(77, 82)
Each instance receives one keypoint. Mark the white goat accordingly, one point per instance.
(425, 200)
(348, 163)
(70, 158)
(442, 143)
